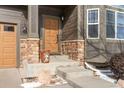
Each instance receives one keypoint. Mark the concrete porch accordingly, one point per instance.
(69, 70)
(31, 70)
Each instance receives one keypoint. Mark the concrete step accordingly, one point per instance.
(60, 58)
(79, 77)
(82, 73)
(62, 71)
(32, 70)
(72, 71)
(65, 56)
(89, 82)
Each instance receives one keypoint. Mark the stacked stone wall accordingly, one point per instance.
(29, 50)
(73, 48)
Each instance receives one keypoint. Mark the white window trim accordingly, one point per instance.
(115, 24)
(93, 23)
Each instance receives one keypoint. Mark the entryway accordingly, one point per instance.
(7, 45)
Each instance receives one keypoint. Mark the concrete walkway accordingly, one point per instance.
(10, 78)
(78, 77)
(89, 82)
(60, 86)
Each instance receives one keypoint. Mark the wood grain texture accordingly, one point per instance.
(51, 26)
(7, 47)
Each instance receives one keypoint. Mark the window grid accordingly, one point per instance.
(96, 23)
(116, 25)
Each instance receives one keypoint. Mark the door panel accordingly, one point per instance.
(51, 30)
(7, 45)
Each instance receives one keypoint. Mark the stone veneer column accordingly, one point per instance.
(23, 50)
(29, 50)
(73, 48)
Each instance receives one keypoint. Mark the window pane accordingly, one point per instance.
(110, 17)
(110, 24)
(120, 32)
(110, 31)
(93, 16)
(120, 19)
(120, 25)
(8, 28)
(93, 31)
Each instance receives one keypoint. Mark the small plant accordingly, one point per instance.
(45, 56)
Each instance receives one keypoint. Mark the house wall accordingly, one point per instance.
(8, 15)
(27, 48)
(71, 44)
(80, 23)
(69, 30)
(74, 30)
(73, 48)
(93, 47)
(100, 50)
(113, 46)
(16, 14)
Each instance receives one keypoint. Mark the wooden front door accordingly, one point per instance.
(51, 32)
(7, 45)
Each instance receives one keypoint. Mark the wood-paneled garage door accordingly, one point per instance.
(7, 45)
(51, 31)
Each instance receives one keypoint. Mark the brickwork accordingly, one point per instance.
(73, 48)
(29, 50)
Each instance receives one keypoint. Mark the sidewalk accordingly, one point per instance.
(78, 77)
(10, 78)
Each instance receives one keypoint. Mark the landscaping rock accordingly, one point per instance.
(45, 77)
(120, 83)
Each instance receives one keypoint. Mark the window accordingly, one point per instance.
(8, 28)
(114, 24)
(92, 23)
(120, 25)
(110, 24)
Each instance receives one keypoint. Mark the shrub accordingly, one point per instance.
(117, 65)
